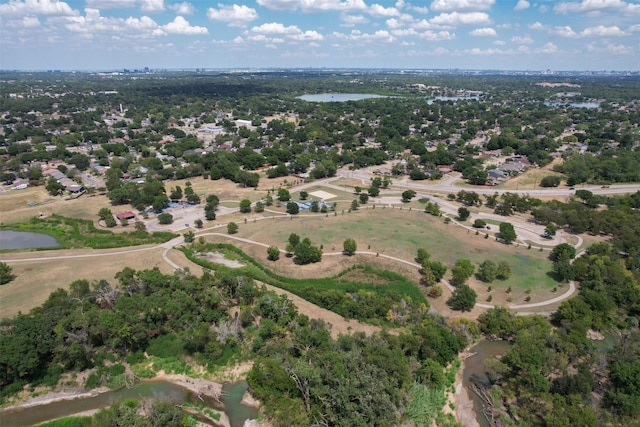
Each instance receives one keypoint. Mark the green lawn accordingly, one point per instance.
(400, 233)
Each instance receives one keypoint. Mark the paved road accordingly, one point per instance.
(447, 185)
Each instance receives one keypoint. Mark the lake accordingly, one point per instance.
(590, 105)
(339, 97)
(10, 239)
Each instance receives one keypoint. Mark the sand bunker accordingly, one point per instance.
(219, 258)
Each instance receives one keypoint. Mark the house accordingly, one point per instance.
(496, 174)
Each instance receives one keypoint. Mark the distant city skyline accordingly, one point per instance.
(575, 35)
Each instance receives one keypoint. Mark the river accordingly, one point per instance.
(157, 390)
(474, 370)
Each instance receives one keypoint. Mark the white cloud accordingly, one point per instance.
(522, 5)
(235, 15)
(455, 18)
(522, 40)
(152, 5)
(352, 20)
(634, 28)
(110, 4)
(275, 28)
(548, 48)
(565, 31)
(619, 49)
(383, 12)
(37, 7)
(26, 22)
(92, 23)
(356, 35)
(183, 8)
(461, 5)
(590, 6)
(602, 31)
(313, 5)
(484, 32)
(181, 26)
(307, 35)
(499, 43)
(437, 36)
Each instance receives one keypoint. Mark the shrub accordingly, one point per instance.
(232, 228)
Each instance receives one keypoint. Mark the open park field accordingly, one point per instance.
(398, 233)
(391, 231)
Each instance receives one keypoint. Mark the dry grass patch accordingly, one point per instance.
(35, 280)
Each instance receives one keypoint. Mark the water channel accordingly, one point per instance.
(157, 390)
(10, 239)
(338, 97)
(474, 371)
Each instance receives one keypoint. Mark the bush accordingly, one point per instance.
(273, 253)
(479, 223)
(435, 291)
(232, 228)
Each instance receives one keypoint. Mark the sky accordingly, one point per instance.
(254, 34)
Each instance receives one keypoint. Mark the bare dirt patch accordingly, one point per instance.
(324, 195)
(219, 258)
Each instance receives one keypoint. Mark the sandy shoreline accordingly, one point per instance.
(460, 398)
(198, 386)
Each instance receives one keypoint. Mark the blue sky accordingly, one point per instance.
(176, 34)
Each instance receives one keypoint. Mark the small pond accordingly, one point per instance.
(339, 97)
(10, 239)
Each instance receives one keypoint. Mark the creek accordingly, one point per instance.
(156, 390)
(474, 371)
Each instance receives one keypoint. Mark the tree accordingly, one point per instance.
(189, 236)
(315, 206)
(487, 271)
(463, 213)
(53, 187)
(463, 298)
(245, 206)
(462, 270)
(139, 226)
(165, 218)
(232, 228)
(479, 223)
(176, 193)
(284, 195)
(293, 208)
(422, 255)
(563, 252)
(374, 191)
(350, 246)
(550, 181)
(294, 239)
(5, 273)
(551, 229)
(198, 223)
(407, 195)
(306, 253)
(354, 205)
(304, 195)
(504, 270)
(259, 207)
(507, 232)
(364, 198)
(273, 253)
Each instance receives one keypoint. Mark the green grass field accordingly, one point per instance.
(400, 233)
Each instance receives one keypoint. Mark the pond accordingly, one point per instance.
(10, 239)
(589, 105)
(158, 390)
(338, 97)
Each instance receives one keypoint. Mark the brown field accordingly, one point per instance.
(531, 178)
(35, 280)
